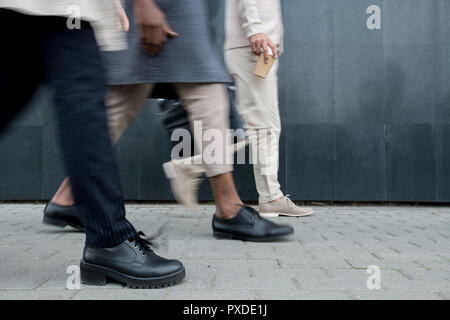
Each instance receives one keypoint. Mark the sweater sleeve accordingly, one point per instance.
(249, 16)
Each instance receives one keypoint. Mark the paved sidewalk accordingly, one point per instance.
(327, 258)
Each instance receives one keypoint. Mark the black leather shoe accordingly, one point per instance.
(62, 216)
(132, 263)
(249, 225)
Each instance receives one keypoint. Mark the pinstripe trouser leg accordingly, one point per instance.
(69, 61)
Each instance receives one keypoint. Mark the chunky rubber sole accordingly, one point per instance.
(277, 214)
(229, 236)
(59, 223)
(99, 276)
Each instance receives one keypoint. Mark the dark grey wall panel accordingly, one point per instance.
(129, 153)
(21, 153)
(410, 162)
(53, 170)
(154, 184)
(365, 113)
(141, 152)
(21, 163)
(309, 59)
(311, 158)
(408, 31)
(443, 162)
(360, 162)
(409, 84)
(32, 115)
(358, 64)
(443, 61)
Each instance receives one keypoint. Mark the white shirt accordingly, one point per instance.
(102, 15)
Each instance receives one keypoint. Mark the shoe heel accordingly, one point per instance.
(92, 276)
(53, 222)
(220, 235)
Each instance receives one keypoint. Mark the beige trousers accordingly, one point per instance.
(257, 102)
(207, 103)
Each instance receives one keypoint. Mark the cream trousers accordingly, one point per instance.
(207, 103)
(257, 102)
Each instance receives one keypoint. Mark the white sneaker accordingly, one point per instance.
(283, 207)
(184, 181)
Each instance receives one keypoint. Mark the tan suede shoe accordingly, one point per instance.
(184, 181)
(283, 207)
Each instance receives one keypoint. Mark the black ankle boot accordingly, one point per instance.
(133, 263)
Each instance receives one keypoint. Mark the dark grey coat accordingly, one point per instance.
(189, 58)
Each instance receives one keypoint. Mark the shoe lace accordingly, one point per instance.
(291, 203)
(142, 243)
(252, 213)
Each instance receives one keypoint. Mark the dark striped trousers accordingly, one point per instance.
(42, 49)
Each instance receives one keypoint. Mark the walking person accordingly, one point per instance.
(252, 28)
(38, 47)
(181, 56)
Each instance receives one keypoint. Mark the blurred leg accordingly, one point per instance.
(73, 69)
(208, 103)
(124, 103)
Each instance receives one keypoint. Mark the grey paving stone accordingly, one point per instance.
(118, 294)
(44, 294)
(311, 294)
(395, 295)
(212, 294)
(327, 257)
